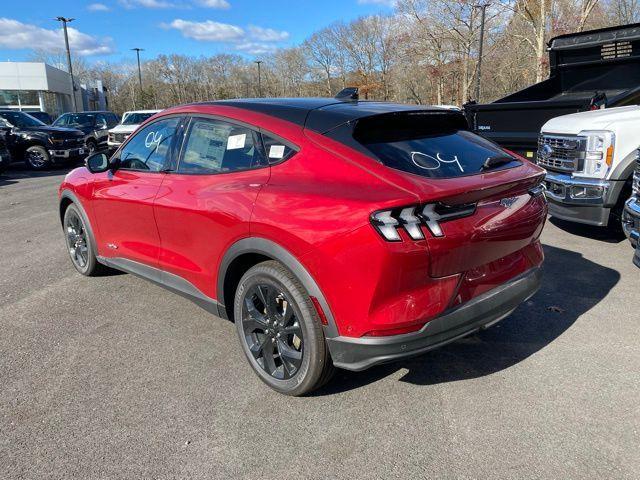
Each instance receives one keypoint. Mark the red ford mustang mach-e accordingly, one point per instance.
(333, 232)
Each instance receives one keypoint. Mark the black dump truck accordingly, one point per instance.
(588, 70)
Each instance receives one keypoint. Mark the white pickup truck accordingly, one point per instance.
(129, 123)
(590, 159)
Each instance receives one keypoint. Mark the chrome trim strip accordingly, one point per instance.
(568, 182)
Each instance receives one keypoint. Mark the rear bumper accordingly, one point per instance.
(568, 202)
(481, 312)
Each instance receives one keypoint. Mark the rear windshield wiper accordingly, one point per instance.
(496, 161)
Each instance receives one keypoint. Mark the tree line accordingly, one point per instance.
(424, 52)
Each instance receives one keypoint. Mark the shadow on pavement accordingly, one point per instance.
(568, 291)
(603, 234)
(18, 171)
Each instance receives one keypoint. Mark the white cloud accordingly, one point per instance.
(208, 30)
(18, 36)
(98, 7)
(254, 40)
(267, 34)
(147, 4)
(219, 4)
(256, 48)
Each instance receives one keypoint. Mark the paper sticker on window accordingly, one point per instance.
(236, 141)
(276, 151)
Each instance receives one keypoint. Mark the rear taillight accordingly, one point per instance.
(412, 218)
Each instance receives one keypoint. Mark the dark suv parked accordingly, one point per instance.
(95, 126)
(5, 156)
(44, 117)
(39, 145)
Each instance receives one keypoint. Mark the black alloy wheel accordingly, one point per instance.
(77, 240)
(272, 331)
(37, 157)
(91, 147)
(80, 243)
(280, 331)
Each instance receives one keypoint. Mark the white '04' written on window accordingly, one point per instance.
(152, 139)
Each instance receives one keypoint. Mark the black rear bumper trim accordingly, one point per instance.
(480, 312)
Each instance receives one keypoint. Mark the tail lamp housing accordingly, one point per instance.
(412, 218)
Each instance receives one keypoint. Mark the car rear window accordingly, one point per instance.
(430, 144)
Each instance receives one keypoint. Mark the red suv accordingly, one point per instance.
(333, 232)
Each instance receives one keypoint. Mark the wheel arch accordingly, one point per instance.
(248, 252)
(22, 147)
(67, 198)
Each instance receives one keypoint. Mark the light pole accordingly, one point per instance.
(64, 22)
(483, 8)
(138, 50)
(258, 62)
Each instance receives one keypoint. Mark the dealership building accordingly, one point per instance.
(32, 86)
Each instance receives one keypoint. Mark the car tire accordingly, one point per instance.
(92, 147)
(37, 157)
(80, 243)
(283, 340)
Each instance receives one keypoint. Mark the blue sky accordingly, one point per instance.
(108, 29)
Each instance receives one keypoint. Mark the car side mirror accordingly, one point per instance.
(98, 163)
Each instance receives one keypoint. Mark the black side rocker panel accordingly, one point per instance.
(164, 279)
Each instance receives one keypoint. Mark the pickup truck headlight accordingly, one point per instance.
(599, 153)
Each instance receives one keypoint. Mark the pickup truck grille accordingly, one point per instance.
(562, 154)
(74, 142)
(118, 137)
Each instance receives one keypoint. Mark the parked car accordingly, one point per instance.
(631, 214)
(95, 126)
(588, 70)
(334, 233)
(130, 121)
(44, 117)
(590, 159)
(39, 145)
(5, 156)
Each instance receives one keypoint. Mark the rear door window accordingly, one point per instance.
(430, 145)
(215, 146)
(276, 149)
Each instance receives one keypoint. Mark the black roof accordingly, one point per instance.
(320, 114)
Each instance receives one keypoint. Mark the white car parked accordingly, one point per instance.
(130, 121)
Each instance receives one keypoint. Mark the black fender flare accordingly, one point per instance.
(277, 252)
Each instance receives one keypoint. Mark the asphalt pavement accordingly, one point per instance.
(114, 377)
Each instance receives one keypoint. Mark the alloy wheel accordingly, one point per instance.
(36, 159)
(272, 331)
(77, 240)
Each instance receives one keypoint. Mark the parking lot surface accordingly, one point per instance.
(114, 377)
